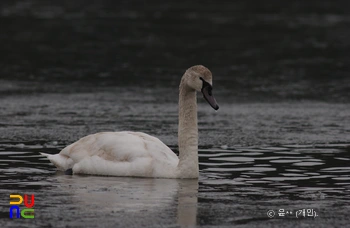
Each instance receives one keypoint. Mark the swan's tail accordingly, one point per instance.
(62, 162)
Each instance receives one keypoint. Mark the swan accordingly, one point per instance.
(136, 154)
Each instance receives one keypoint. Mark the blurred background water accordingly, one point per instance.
(280, 139)
(257, 50)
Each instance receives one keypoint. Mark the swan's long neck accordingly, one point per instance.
(188, 133)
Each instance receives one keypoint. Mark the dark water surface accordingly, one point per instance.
(280, 140)
(257, 49)
(237, 187)
(254, 157)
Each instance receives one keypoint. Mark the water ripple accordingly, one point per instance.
(294, 170)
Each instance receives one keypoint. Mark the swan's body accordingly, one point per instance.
(122, 153)
(139, 154)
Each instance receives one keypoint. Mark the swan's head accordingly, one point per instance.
(199, 78)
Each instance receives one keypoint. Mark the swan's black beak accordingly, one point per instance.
(208, 95)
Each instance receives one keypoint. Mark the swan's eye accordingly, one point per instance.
(209, 91)
(206, 85)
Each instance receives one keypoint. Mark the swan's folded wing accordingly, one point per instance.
(118, 154)
(156, 147)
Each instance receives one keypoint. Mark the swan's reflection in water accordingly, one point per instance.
(175, 200)
(187, 202)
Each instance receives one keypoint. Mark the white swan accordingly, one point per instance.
(141, 155)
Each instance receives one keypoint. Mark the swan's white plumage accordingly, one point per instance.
(138, 154)
(118, 154)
